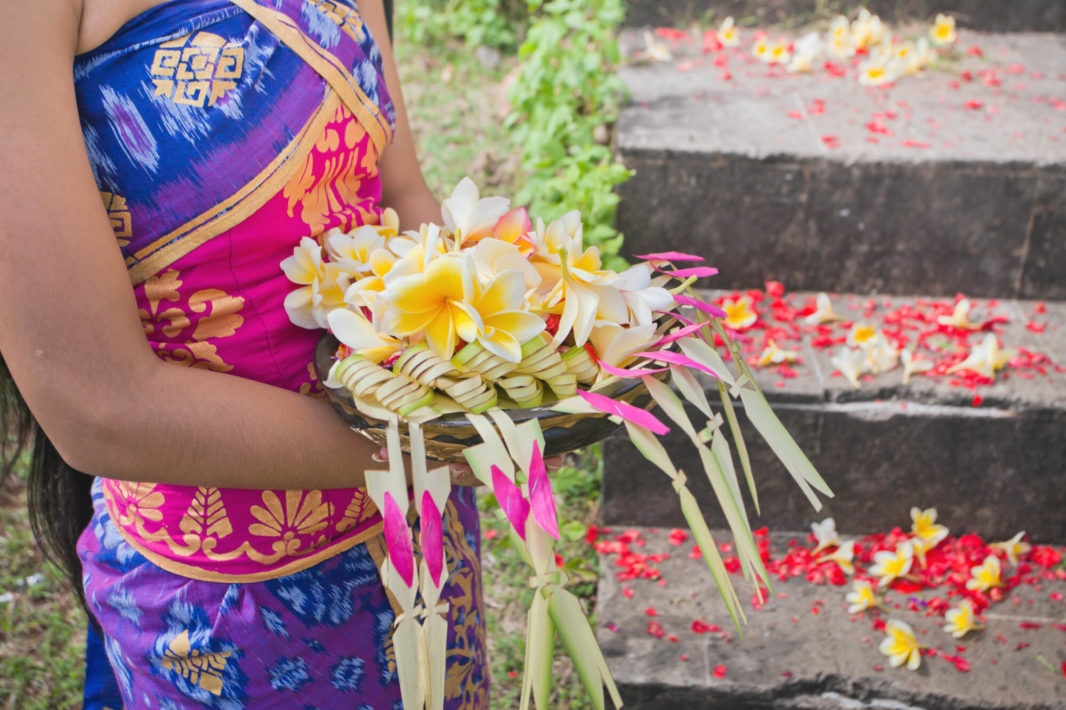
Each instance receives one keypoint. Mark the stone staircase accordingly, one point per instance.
(952, 182)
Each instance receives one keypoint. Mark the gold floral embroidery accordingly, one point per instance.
(313, 387)
(141, 501)
(119, 214)
(202, 669)
(206, 515)
(302, 513)
(210, 313)
(360, 508)
(327, 187)
(196, 69)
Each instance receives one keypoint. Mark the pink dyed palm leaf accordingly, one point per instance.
(398, 540)
(670, 256)
(509, 497)
(697, 271)
(540, 495)
(430, 537)
(707, 308)
(629, 413)
(677, 359)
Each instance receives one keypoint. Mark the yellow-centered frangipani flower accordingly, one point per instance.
(881, 355)
(761, 48)
(1014, 548)
(728, 34)
(436, 301)
(779, 53)
(823, 311)
(774, 355)
(905, 59)
(805, 52)
(642, 296)
(861, 597)
(961, 620)
(959, 317)
(860, 334)
(573, 282)
(986, 358)
(851, 363)
(890, 565)
(739, 313)
(924, 525)
(901, 646)
(867, 30)
(840, 43)
(943, 30)
(985, 576)
(468, 216)
(844, 556)
(876, 72)
(913, 365)
(320, 292)
(615, 345)
(504, 324)
(654, 51)
(493, 256)
(825, 534)
(355, 331)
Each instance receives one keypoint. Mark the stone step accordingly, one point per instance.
(802, 650)
(990, 459)
(1015, 16)
(935, 185)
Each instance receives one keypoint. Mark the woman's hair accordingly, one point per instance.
(58, 497)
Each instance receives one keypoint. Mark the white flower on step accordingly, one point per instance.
(840, 45)
(881, 355)
(851, 364)
(654, 51)
(780, 52)
(825, 533)
(924, 525)
(901, 645)
(761, 49)
(806, 51)
(1014, 548)
(959, 317)
(924, 54)
(823, 311)
(985, 576)
(913, 365)
(861, 597)
(961, 620)
(774, 355)
(844, 556)
(728, 34)
(890, 565)
(986, 358)
(867, 30)
(876, 72)
(943, 30)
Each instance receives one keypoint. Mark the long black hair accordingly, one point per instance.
(58, 497)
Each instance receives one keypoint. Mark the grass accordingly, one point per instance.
(456, 106)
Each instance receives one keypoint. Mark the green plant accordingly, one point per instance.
(565, 100)
(490, 23)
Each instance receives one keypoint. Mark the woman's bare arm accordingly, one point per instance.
(403, 187)
(69, 328)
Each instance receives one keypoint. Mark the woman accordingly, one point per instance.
(229, 560)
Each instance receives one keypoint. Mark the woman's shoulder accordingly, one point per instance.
(101, 19)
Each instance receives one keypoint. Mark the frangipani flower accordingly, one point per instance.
(728, 34)
(901, 646)
(961, 620)
(436, 302)
(615, 345)
(861, 597)
(359, 334)
(805, 52)
(881, 355)
(867, 30)
(924, 525)
(985, 576)
(504, 324)
(912, 365)
(844, 556)
(851, 363)
(840, 44)
(761, 48)
(861, 334)
(825, 533)
(654, 51)
(739, 313)
(876, 72)
(890, 565)
(959, 317)
(308, 306)
(352, 251)
(823, 311)
(469, 217)
(514, 228)
(1014, 548)
(986, 358)
(492, 256)
(779, 52)
(943, 31)
(641, 297)
(774, 355)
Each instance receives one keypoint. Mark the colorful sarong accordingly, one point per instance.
(221, 132)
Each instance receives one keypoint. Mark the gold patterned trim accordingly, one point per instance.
(172, 246)
(298, 565)
(327, 66)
